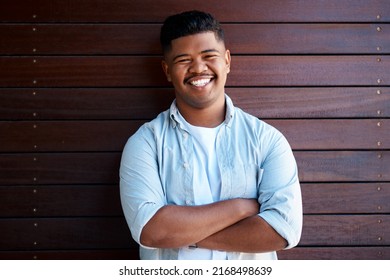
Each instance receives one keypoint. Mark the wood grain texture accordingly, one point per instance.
(156, 11)
(103, 200)
(112, 233)
(111, 136)
(77, 78)
(342, 166)
(102, 168)
(345, 230)
(142, 71)
(143, 39)
(60, 201)
(147, 103)
(65, 233)
(118, 254)
(346, 198)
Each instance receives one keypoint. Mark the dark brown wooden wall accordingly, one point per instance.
(78, 77)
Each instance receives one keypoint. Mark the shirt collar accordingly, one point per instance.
(174, 111)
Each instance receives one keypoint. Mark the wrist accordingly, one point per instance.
(249, 207)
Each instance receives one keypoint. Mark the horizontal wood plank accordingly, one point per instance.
(336, 253)
(335, 134)
(141, 71)
(81, 71)
(309, 71)
(346, 198)
(65, 234)
(343, 166)
(113, 233)
(73, 136)
(104, 200)
(144, 103)
(307, 38)
(121, 254)
(336, 102)
(102, 168)
(60, 201)
(346, 230)
(80, 39)
(98, 103)
(143, 39)
(61, 168)
(232, 11)
(65, 136)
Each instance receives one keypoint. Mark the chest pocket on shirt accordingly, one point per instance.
(246, 180)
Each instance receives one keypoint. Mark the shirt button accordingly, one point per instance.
(185, 135)
(186, 165)
(188, 202)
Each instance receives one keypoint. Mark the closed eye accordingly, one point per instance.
(210, 56)
(183, 60)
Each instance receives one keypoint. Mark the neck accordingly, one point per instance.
(204, 117)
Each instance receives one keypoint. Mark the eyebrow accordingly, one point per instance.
(202, 52)
(210, 50)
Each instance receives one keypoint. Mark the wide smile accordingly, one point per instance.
(200, 82)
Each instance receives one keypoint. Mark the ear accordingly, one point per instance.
(228, 60)
(166, 70)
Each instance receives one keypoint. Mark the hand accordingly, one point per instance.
(250, 206)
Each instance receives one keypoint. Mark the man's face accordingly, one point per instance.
(197, 65)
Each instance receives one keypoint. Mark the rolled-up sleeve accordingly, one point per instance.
(140, 186)
(279, 192)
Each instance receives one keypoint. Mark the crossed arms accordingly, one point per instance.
(230, 225)
(235, 224)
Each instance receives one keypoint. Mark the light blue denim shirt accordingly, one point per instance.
(255, 161)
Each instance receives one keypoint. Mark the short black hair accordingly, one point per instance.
(188, 23)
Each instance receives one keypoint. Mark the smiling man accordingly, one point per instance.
(197, 65)
(205, 180)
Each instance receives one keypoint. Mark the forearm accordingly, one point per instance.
(176, 226)
(250, 235)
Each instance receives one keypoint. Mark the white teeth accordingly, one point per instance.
(200, 83)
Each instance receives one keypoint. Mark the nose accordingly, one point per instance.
(198, 66)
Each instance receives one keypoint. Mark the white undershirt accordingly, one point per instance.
(207, 180)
